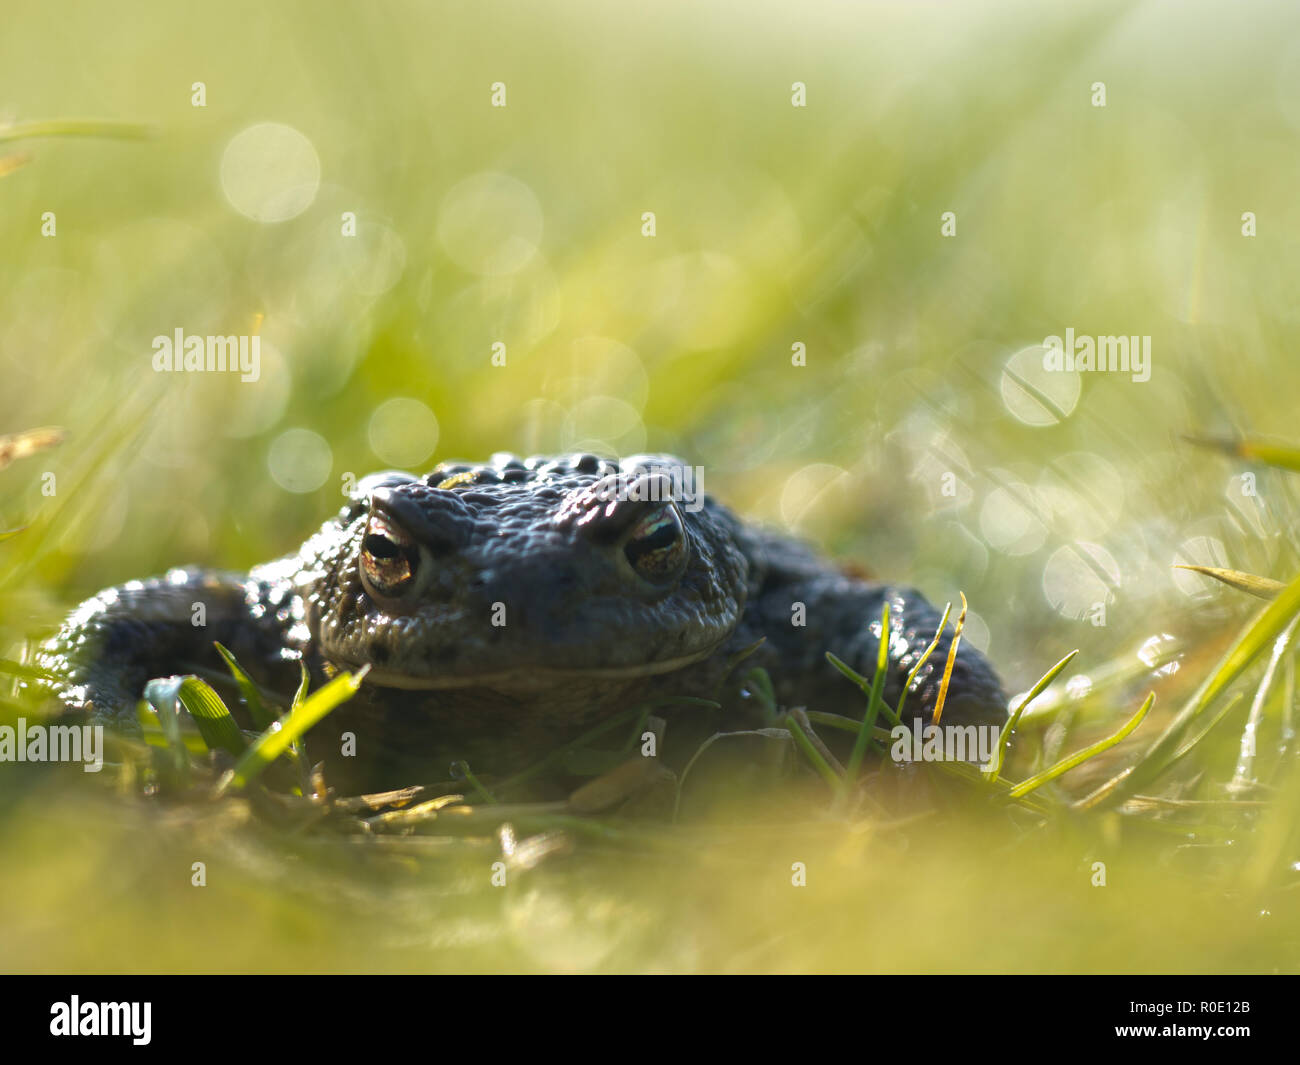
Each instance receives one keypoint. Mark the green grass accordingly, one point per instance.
(433, 835)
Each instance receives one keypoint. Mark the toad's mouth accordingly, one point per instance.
(525, 677)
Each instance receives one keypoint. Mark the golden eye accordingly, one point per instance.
(656, 546)
(389, 558)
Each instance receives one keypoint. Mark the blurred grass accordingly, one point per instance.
(775, 226)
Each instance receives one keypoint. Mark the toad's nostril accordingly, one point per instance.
(438, 519)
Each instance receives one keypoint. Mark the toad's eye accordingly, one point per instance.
(656, 545)
(389, 558)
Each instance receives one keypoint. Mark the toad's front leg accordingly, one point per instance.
(101, 658)
(843, 616)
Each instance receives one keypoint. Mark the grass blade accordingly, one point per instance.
(76, 127)
(289, 729)
(911, 677)
(1258, 634)
(863, 684)
(1244, 774)
(952, 660)
(1260, 587)
(994, 767)
(873, 704)
(262, 717)
(1079, 757)
(17, 446)
(163, 695)
(810, 751)
(1279, 455)
(216, 726)
(14, 161)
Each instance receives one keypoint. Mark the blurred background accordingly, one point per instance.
(922, 438)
